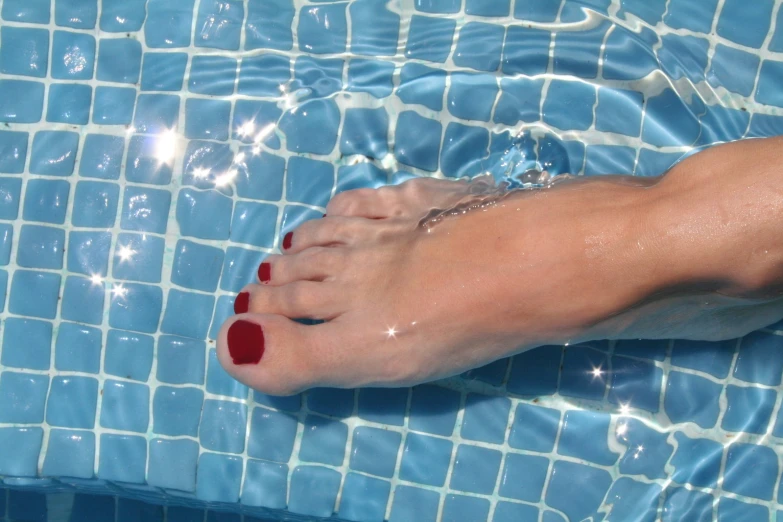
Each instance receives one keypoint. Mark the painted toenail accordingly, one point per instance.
(265, 272)
(245, 342)
(242, 303)
(287, 240)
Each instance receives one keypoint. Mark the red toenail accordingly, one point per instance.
(287, 240)
(242, 303)
(245, 342)
(264, 272)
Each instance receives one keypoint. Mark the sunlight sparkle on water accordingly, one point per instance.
(96, 279)
(622, 429)
(165, 148)
(201, 172)
(125, 252)
(119, 291)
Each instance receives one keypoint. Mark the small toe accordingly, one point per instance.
(312, 264)
(298, 300)
(367, 203)
(329, 231)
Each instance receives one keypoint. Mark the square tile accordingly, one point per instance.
(383, 405)
(567, 477)
(83, 300)
(433, 410)
(95, 204)
(425, 459)
(27, 343)
(188, 314)
(145, 209)
(422, 85)
(138, 257)
(173, 465)
(690, 398)
(733, 69)
(207, 119)
(749, 409)
(73, 55)
(485, 418)
(375, 29)
(75, 13)
(113, 105)
(585, 436)
(309, 181)
(54, 153)
(459, 508)
(612, 103)
(180, 360)
(78, 348)
(255, 223)
(269, 24)
(534, 429)
(569, 105)
(323, 441)
(374, 451)
(647, 449)
(69, 453)
(335, 402)
(683, 14)
(168, 23)
(40, 247)
(417, 141)
(520, 100)
(22, 397)
(163, 71)
(119, 60)
(577, 53)
(313, 491)
(197, 266)
(220, 24)
(205, 215)
(430, 38)
(537, 11)
(266, 484)
(364, 498)
(122, 458)
(371, 76)
(696, 461)
(220, 382)
(323, 29)
(535, 372)
(35, 11)
(125, 406)
(584, 373)
(526, 50)
(34, 294)
(176, 411)
(414, 504)
(471, 96)
(129, 355)
(523, 477)
(272, 435)
(479, 45)
(102, 156)
(88, 252)
(13, 152)
(750, 470)
(156, 113)
(144, 164)
(475, 469)
(24, 51)
(635, 383)
(264, 75)
(297, 126)
(12, 109)
(23, 461)
(684, 56)
(255, 122)
(72, 402)
(754, 19)
(69, 103)
(222, 426)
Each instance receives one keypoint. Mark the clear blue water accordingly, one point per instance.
(153, 152)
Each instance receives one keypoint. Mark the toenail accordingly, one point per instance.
(245, 342)
(265, 272)
(242, 303)
(287, 240)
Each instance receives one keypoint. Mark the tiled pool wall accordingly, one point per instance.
(152, 152)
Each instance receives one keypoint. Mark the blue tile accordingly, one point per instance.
(26, 343)
(320, 77)
(464, 148)
(523, 477)
(223, 426)
(188, 314)
(425, 459)
(70, 453)
(313, 491)
(119, 60)
(23, 461)
(272, 435)
(684, 56)
(138, 257)
(526, 51)
(669, 122)
(78, 348)
(361, 175)
(95, 204)
(422, 85)
(145, 209)
(129, 510)
(769, 77)
(722, 124)
(76, 13)
(364, 498)
(383, 405)
(430, 38)
(374, 28)
(256, 122)
(136, 307)
(40, 247)
(220, 382)
(635, 383)
(714, 358)
(649, 11)
(72, 402)
(267, 187)
(609, 159)
(654, 163)
(291, 403)
(173, 465)
(69, 103)
(631, 500)
(696, 461)
(156, 113)
(168, 23)
(269, 25)
(567, 477)
(471, 96)
(180, 360)
(751, 470)
(13, 152)
(493, 373)
(219, 24)
(88, 252)
(757, 361)
(490, 9)
(569, 105)
(240, 268)
(745, 24)
(584, 436)
(73, 56)
(21, 101)
(479, 45)
(414, 504)
(543, 11)
(696, 16)
(125, 406)
(520, 100)
(475, 469)
(577, 53)
(176, 411)
(374, 451)
(485, 418)
(54, 153)
(749, 409)
(129, 355)
(113, 105)
(23, 397)
(255, 223)
(733, 510)
(438, 6)
(433, 410)
(647, 450)
(223, 310)
(297, 125)
(266, 484)
(417, 140)
(31, 11)
(24, 51)
(6, 240)
(34, 294)
(218, 478)
(308, 181)
(102, 156)
(514, 512)
(690, 398)
(92, 508)
(197, 266)
(628, 56)
(534, 428)
(535, 372)
(205, 162)
(262, 75)
(323, 441)
(584, 373)
(163, 71)
(619, 110)
(459, 508)
(212, 75)
(733, 69)
(323, 29)
(365, 132)
(120, 16)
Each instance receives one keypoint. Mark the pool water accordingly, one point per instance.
(153, 152)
